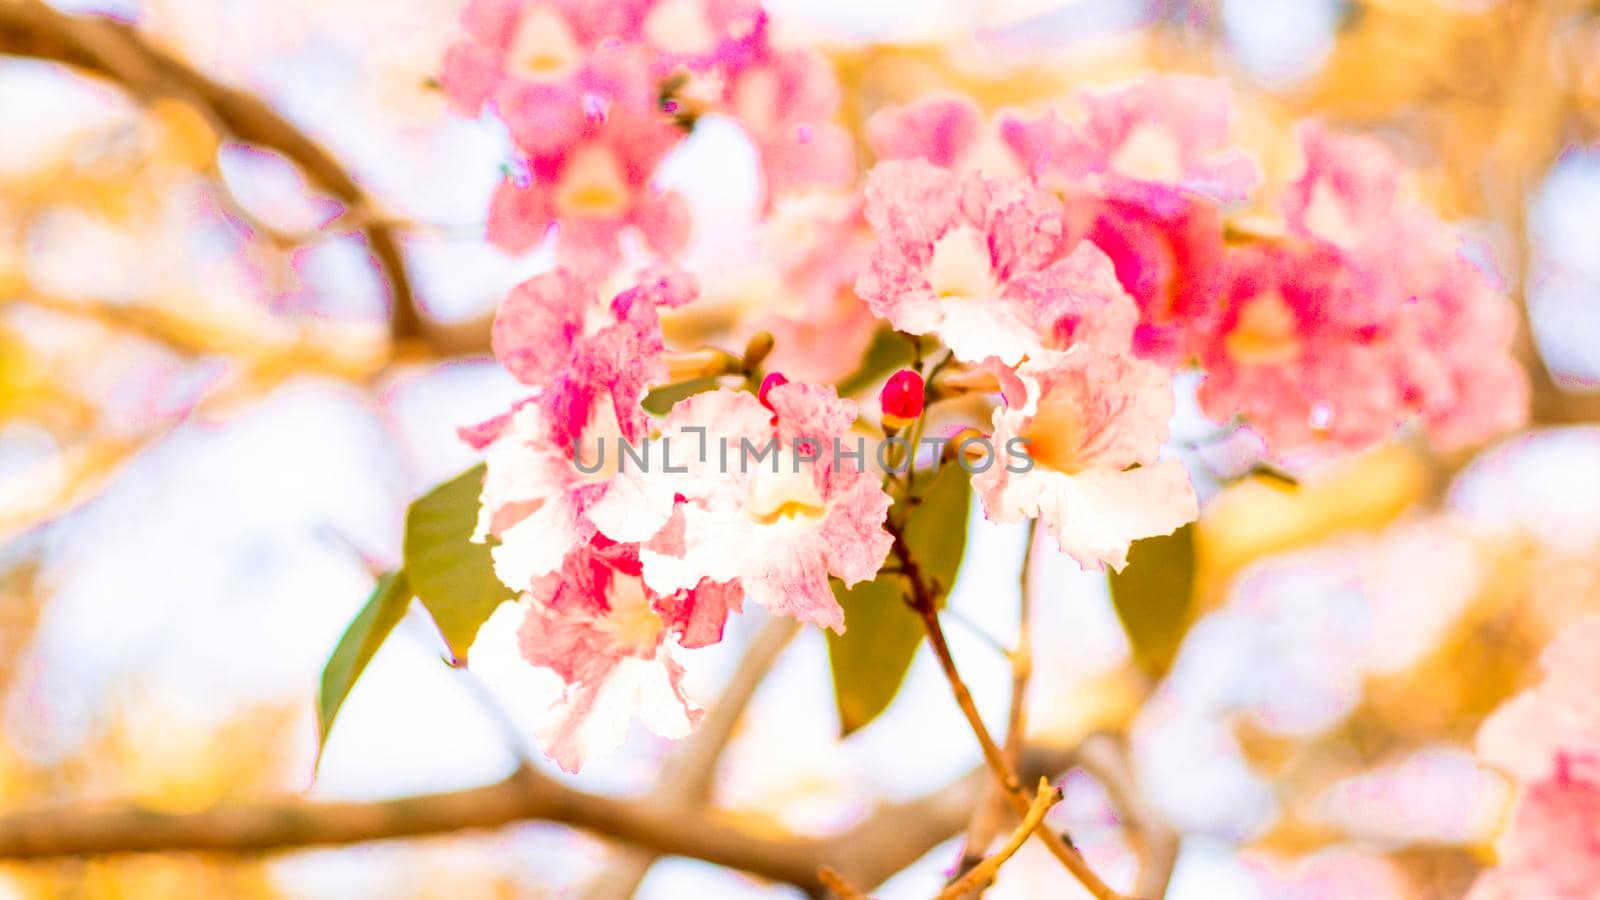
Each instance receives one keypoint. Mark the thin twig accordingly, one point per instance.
(926, 605)
(987, 818)
(1048, 795)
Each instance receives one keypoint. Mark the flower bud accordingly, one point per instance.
(901, 399)
(755, 352)
(773, 379)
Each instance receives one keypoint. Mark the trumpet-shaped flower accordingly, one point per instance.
(987, 264)
(595, 186)
(1093, 426)
(611, 640)
(769, 503)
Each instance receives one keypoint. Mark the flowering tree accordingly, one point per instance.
(986, 305)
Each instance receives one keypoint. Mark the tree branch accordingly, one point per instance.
(867, 854)
(118, 52)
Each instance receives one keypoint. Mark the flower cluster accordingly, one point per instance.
(594, 95)
(1061, 270)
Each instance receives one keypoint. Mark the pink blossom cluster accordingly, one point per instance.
(1063, 270)
(1365, 315)
(594, 95)
(623, 566)
(1548, 739)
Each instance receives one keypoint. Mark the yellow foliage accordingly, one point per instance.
(1259, 517)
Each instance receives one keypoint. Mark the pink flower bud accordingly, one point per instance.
(901, 399)
(773, 379)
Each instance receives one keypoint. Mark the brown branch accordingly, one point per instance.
(867, 854)
(1046, 796)
(117, 51)
(925, 603)
(838, 885)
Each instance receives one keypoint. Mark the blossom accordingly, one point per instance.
(940, 130)
(1548, 738)
(612, 640)
(553, 461)
(701, 34)
(539, 62)
(987, 264)
(812, 247)
(1168, 130)
(1347, 191)
(1148, 170)
(1280, 356)
(1447, 330)
(595, 186)
(1549, 850)
(787, 99)
(552, 331)
(1093, 425)
(1561, 714)
(768, 503)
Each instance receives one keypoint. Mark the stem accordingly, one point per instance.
(924, 601)
(1047, 796)
(986, 819)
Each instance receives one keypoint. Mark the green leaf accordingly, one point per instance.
(452, 576)
(936, 526)
(869, 661)
(361, 640)
(660, 401)
(887, 352)
(1154, 597)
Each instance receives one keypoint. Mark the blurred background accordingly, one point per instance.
(211, 422)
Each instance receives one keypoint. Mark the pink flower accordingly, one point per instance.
(787, 100)
(595, 187)
(1168, 252)
(768, 503)
(987, 264)
(701, 34)
(1552, 848)
(1559, 714)
(1454, 334)
(554, 462)
(1367, 318)
(1148, 168)
(611, 639)
(1548, 738)
(1348, 191)
(1167, 130)
(1092, 427)
(538, 61)
(1279, 355)
(553, 331)
(940, 130)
